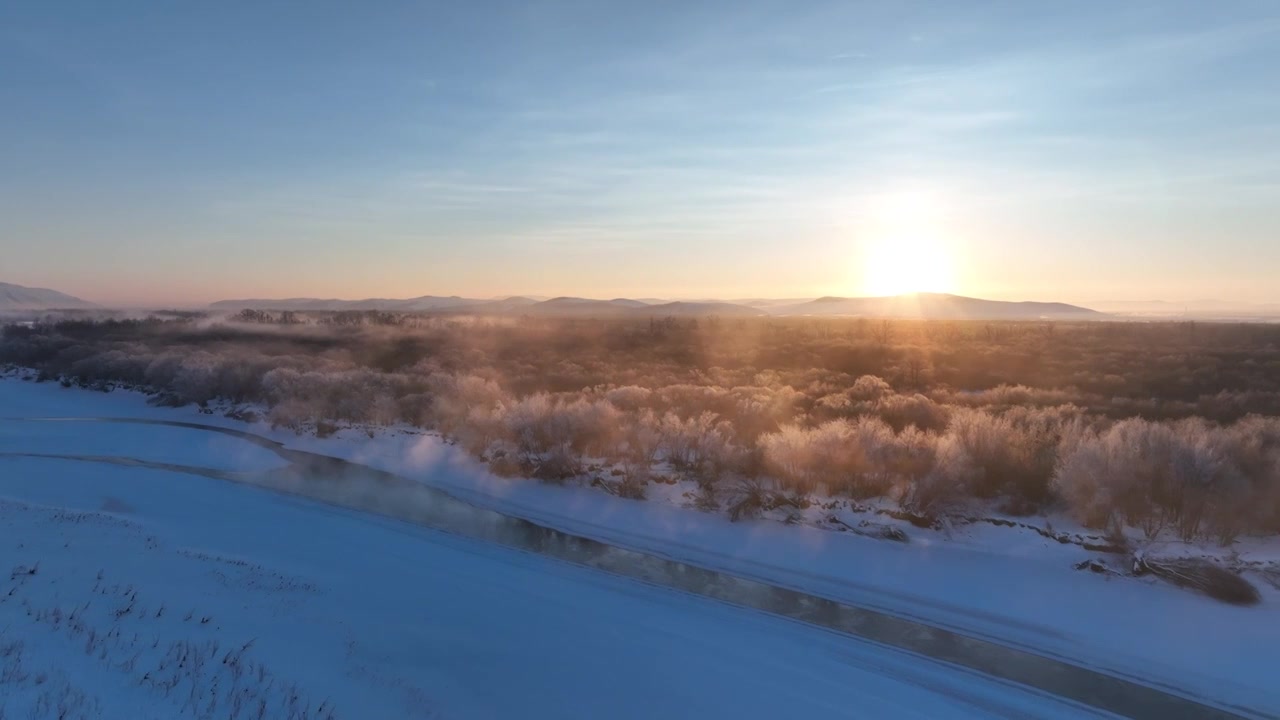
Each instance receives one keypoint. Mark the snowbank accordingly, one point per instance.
(995, 582)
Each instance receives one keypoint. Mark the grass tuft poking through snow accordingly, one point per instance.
(124, 633)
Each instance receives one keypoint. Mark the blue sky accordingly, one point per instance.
(182, 152)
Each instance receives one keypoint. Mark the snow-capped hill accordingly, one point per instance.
(17, 297)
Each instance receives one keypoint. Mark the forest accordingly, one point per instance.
(1163, 427)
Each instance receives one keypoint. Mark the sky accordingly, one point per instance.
(180, 153)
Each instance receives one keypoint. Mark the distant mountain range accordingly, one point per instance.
(418, 304)
(554, 307)
(916, 305)
(1191, 309)
(941, 306)
(19, 298)
(938, 306)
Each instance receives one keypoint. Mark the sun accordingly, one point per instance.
(907, 252)
(894, 266)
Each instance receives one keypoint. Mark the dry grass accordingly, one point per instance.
(1202, 576)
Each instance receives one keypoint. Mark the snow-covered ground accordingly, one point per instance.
(141, 593)
(1002, 583)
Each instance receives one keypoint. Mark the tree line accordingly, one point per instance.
(1162, 427)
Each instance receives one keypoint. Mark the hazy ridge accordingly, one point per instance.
(18, 297)
(938, 306)
(916, 305)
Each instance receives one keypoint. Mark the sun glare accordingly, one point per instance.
(906, 265)
(907, 253)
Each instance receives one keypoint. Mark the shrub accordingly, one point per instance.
(944, 487)
(633, 487)
(1203, 576)
(837, 456)
(869, 388)
(749, 500)
(556, 466)
(902, 411)
(1155, 475)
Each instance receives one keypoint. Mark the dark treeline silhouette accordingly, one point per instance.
(1164, 427)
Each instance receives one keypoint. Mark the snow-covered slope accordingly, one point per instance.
(1014, 587)
(17, 297)
(141, 593)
